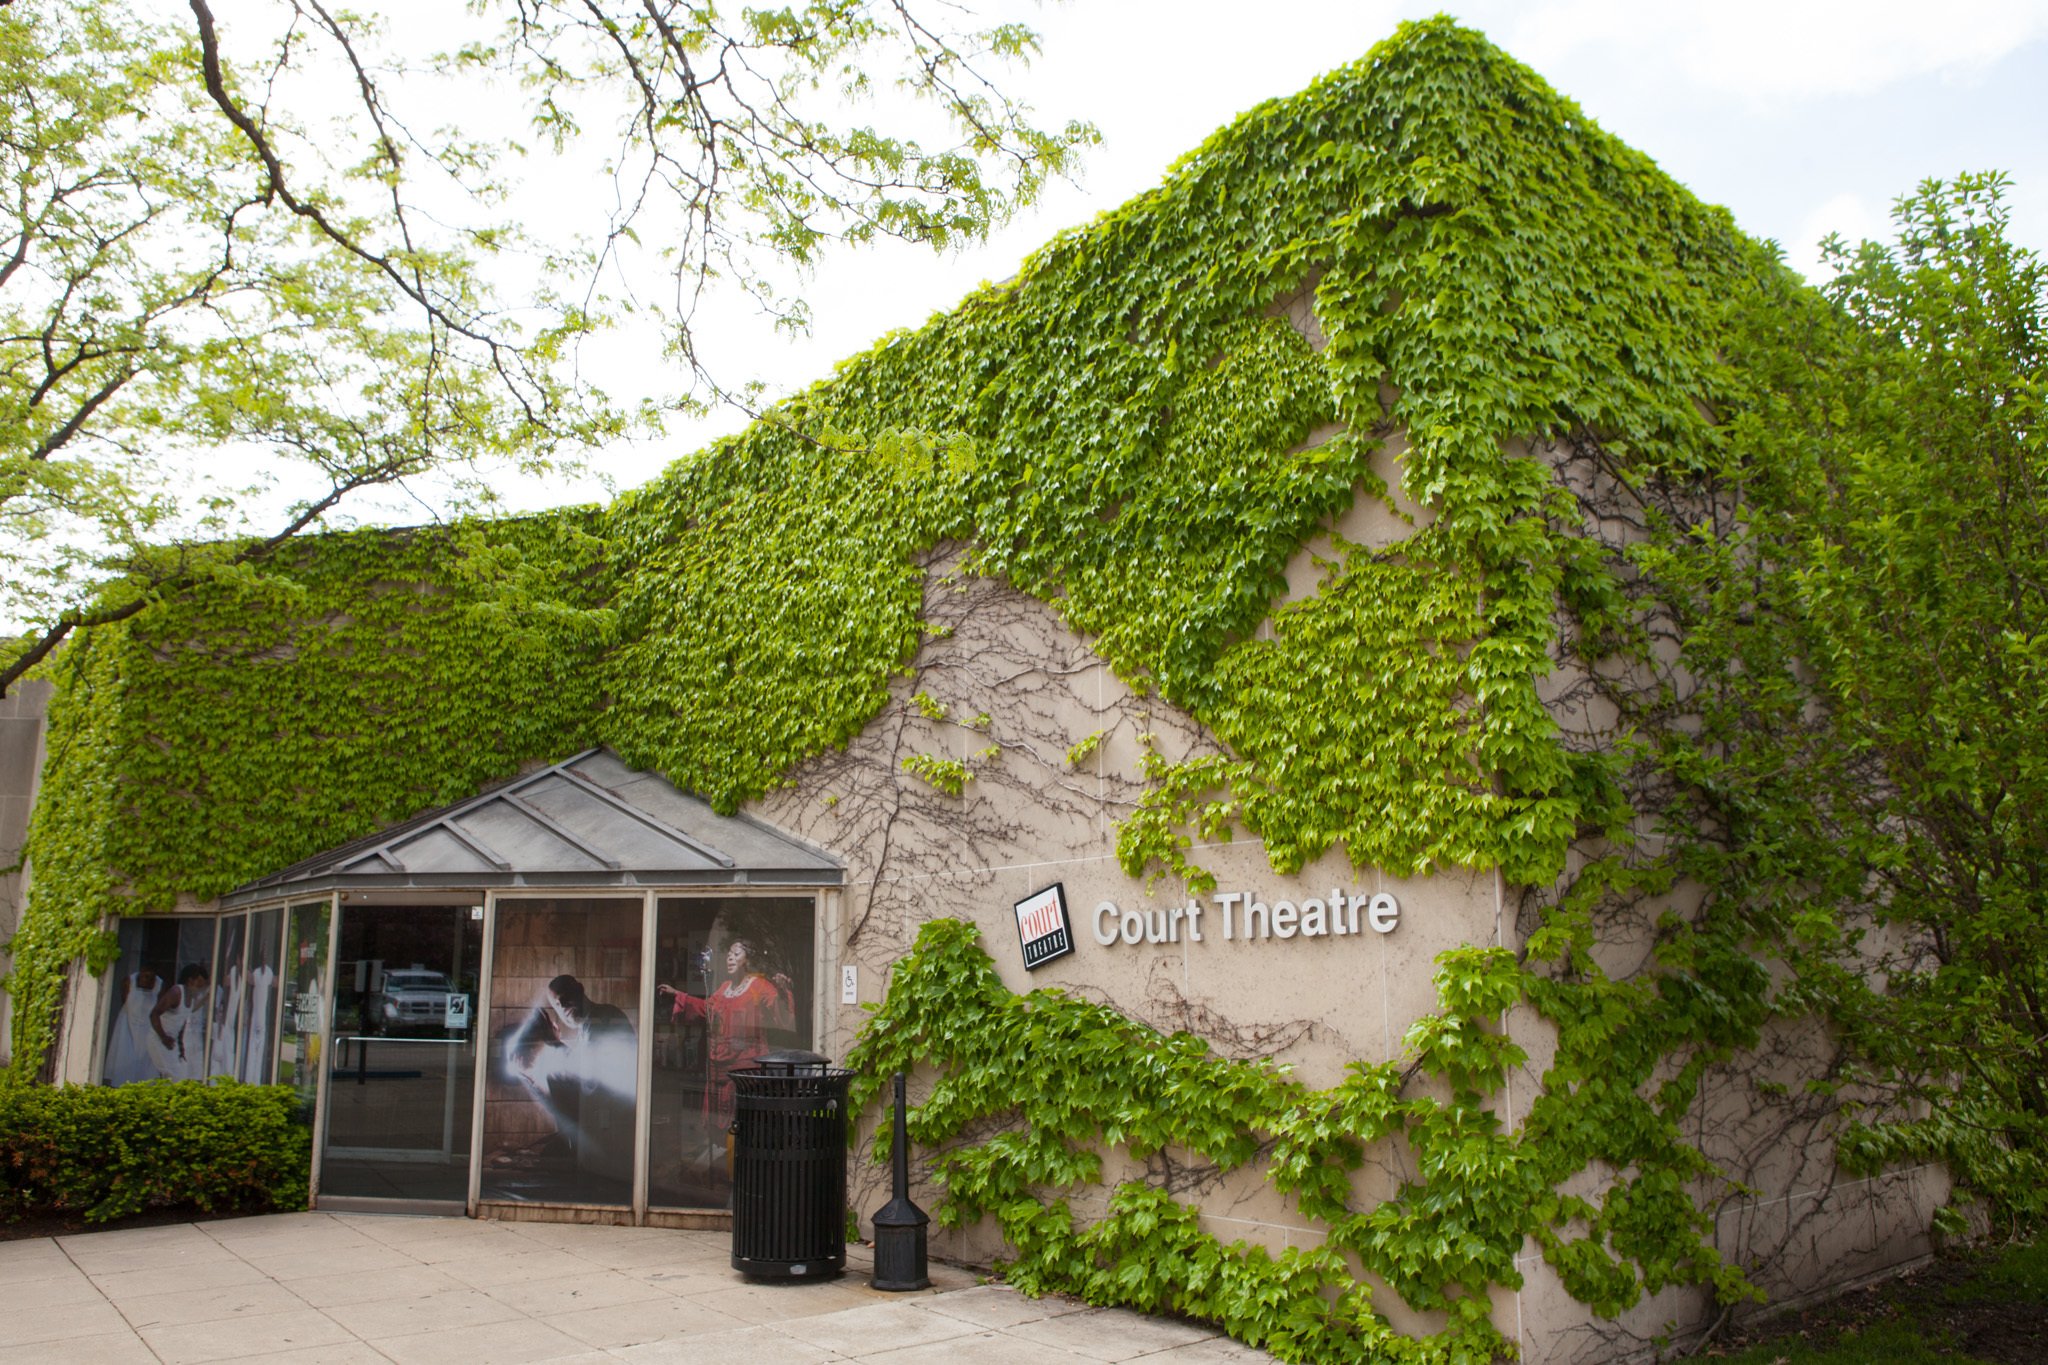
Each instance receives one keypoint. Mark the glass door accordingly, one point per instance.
(401, 1084)
(305, 985)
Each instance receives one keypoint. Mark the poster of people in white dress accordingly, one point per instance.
(163, 992)
(194, 999)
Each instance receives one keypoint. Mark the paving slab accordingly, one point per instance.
(874, 1328)
(502, 1343)
(585, 1287)
(780, 1302)
(1112, 1334)
(32, 1258)
(745, 1346)
(346, 1353)
(683, 1280)
(364, 1289)
(981, 1348)
(650, 1252)
(352, 1260)
(113, 1348)
(65, 1285)
(243, 1338)
(1214, 1351)
(998, 1305)
(50, 1330)
(649, 1320)
(489, 1269)
(123, 1248)
(180, 1307)
(411, 1314)
(172, 1278)
(364, 1286)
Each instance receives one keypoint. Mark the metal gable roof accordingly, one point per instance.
(587, 821)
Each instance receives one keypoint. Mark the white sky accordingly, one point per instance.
(1801, 116)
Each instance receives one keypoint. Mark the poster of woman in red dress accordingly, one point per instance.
(737, 1017)
(736, 977)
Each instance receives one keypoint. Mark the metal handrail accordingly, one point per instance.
(385, 1038)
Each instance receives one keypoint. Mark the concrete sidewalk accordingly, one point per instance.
(347, 1288)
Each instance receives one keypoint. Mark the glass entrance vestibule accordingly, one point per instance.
(530, 1000)
(492, 1049)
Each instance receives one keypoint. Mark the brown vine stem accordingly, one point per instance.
(1712, 1332)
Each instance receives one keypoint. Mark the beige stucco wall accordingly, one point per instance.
(1029, 819)
(1783, 1211)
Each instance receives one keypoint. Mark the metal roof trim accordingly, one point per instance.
(375, 861)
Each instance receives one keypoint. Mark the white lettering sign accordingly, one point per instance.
(1243, 916)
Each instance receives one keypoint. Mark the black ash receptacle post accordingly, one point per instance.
(900, 1262)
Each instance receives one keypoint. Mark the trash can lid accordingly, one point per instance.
(794, 1058)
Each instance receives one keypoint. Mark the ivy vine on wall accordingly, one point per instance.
(232, 732)
(1066, 1077)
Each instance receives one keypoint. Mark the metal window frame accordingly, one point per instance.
(643, 1098)
(485, 979)
(327, 1003)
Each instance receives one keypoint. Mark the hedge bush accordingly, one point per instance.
(106, 1152)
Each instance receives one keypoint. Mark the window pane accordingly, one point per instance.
(564, 1028)
(258, 1036)
(162, 981)
(404, 1065)
(735, 981)
(305, 980)
(230, 998)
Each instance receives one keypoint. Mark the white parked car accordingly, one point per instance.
(417, 998)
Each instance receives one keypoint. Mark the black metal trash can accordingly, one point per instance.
(789, 1167)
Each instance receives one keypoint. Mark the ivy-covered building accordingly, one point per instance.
(1200, 630)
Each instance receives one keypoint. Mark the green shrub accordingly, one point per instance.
(106, 1152)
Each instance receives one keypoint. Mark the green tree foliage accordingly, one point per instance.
(1869, 618)
(198, 258)
(171, 288)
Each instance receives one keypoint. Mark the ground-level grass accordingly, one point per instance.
(1989, 1307)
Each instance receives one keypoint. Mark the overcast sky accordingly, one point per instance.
(1801, 116)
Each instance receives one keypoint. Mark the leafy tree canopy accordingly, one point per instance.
(228, 235)
(1871, 625)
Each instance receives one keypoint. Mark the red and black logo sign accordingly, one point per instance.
(1042, 926)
